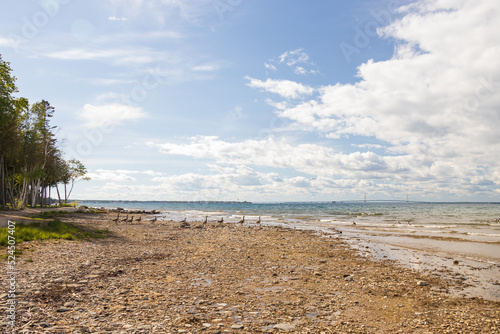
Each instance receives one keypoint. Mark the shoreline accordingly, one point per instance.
(479, 276)
(173, 277)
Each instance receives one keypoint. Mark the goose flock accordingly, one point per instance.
(126, 219)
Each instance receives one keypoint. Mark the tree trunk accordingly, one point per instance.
(2, 187)
(58, 196)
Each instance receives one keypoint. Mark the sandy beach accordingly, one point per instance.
(174, 277)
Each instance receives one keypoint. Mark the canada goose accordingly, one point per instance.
(206, 220)
(139, 219)
(131, 220)
(125, 219)
(354, 223)
(117, 218)
(154, 219)
(409, 222)
(258, 221)
(242, 220)
(184, 220)
(221, 220)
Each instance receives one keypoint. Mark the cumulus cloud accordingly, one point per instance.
(434, 103)
(284, 88)
(307, 158)
(109, 114)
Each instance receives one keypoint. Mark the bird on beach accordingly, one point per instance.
(184, 220)
(206, 220)
(258, 221)
(131, 220)
(242, 220)
(220, 221)
(409, 222)
(117, 218)
(154, 219)
(139, 219)
(125, 219)
(354, 223)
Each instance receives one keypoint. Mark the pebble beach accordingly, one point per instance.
(175, 277)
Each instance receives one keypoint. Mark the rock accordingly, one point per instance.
(91, 277)
(285, 327)
(422, 283)
(81, 209)
(349, 278)
(63, 309)
(237, 326)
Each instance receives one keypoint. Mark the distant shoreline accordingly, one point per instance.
(286, 202)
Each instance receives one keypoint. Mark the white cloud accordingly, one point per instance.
(306, 158)
(121, 56)
(435, 102)
(107, 115)
(114, 18)
(7, 42)
(297, 60)
(284, 88)
(294, 57)
(206, 68)
(111, 175)
(165, 11)
(270, 66)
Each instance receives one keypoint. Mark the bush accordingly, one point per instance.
(54, 229)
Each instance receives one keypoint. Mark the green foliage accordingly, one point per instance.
(54, 229)
(30, 159)
(52, 214)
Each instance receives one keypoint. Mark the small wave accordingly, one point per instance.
(493, 235)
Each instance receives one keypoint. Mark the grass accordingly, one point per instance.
(54, 229)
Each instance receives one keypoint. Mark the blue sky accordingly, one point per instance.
(267, 100)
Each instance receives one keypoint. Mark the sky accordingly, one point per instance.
(267, 100)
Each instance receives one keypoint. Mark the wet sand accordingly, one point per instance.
(173, 277)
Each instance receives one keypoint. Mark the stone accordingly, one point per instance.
(81, 209)
(237, 326)
(422, 283)
(285, 327)
(63, 309)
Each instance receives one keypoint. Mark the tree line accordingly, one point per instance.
(31, 162)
